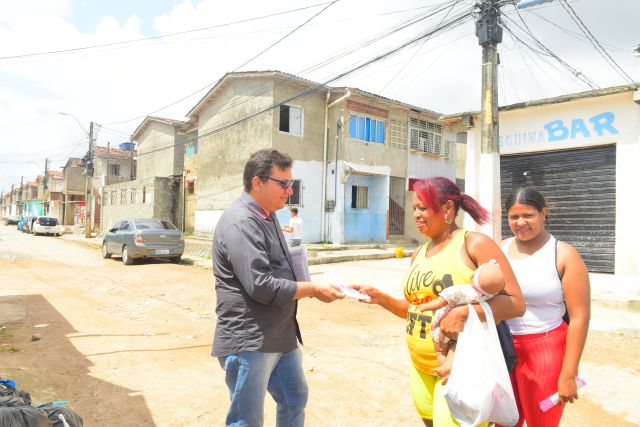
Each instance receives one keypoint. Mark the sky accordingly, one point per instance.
(115, 62)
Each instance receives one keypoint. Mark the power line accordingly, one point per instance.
(596, 44)
(452, 22)
(386, 33)
(77, 49)
(242, 65)
(546, 51)
(573, 34)
(455, 3)
(285, 36)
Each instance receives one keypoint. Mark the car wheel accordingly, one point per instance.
(126, 259)
(105, 252)
(176, 259)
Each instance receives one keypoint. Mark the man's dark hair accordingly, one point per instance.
(294, 210)
(261, 164)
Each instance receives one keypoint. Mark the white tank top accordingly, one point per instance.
(542, 289)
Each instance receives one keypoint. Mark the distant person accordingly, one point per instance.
(554, 280)
(256, 299)
(449, 258)
(295, 228)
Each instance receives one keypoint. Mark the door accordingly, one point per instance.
(110, 238)
(580, 188)
(396, 205)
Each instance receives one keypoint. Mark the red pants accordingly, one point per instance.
(535, 376)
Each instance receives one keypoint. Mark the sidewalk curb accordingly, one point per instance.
(598, 297)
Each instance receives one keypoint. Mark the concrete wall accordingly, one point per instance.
(74, 179)
(156, 197)
(309, 145)
(308, 172)
(160, 151)
(222, 154)
(370, 224)
(102, 166)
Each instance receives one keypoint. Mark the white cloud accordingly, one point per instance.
(124, 81)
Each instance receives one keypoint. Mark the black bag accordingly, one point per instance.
(53, 411)
(506, 343)
(15, 412)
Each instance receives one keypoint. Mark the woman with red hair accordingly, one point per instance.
(449, 258)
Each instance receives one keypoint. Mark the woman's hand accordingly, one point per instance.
(453, 323)
(374, 293)
(376, 296)
(567, 389)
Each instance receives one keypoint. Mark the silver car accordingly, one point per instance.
(143, 238)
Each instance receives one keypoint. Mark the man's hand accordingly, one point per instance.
(327, 292)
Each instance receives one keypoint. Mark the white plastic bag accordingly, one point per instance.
(479, 389)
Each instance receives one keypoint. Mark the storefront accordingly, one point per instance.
(582, 152)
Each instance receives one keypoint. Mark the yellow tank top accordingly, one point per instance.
(424, 281)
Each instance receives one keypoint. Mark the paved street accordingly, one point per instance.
(129, 345)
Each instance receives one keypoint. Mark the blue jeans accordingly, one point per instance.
(249, 375)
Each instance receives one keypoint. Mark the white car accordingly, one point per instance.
(47, 225)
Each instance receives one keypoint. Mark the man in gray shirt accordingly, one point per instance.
(257, 292)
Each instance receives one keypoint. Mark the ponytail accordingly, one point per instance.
(435, 192)
(479, 214)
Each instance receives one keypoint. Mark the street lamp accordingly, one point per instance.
(76, 119)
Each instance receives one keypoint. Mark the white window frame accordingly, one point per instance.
(297, 130)
(297, 182)
(362, 196)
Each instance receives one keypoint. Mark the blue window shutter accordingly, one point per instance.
(373, 130)
(380, 132)
(353, 126)
(361, 125)
(367, 132)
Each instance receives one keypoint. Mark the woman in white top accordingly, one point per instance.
(552, 276)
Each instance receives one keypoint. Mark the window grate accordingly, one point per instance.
(427, 137)
(397, 134)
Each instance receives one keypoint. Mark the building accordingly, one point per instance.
(160, 147)
(54, 193)
(158, 188)
(110, 166)
(190, 179)
(74, 190)
(12, 202)
(581, 151)
(356, 153)
(33, 197)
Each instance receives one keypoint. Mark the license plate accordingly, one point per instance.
(162, 251)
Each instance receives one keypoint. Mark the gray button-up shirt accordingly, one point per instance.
(255, 282)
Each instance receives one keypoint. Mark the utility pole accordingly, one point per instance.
(483, 167)
(88, 167)
(45, 203)
(21, 202)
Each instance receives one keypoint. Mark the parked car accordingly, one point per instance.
(143, 238)
(47, 225)
(11, 219)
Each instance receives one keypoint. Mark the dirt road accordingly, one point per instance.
(130, 345)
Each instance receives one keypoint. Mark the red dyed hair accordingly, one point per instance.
(435, 192)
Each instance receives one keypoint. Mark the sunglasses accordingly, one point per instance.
(285, 184)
